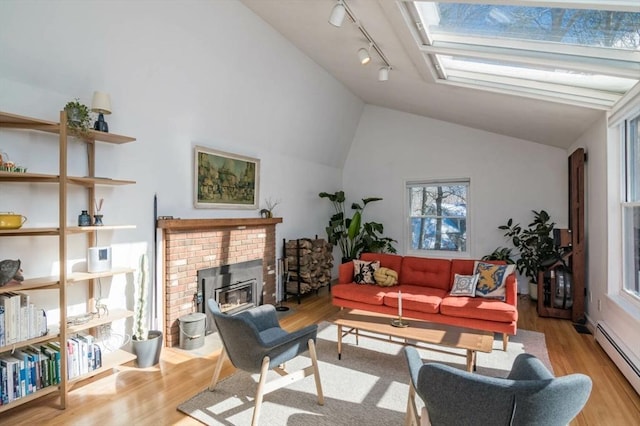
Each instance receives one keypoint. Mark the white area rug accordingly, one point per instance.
(368, 386)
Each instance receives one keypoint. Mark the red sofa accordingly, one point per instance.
(425, 284)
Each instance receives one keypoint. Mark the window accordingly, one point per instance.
(631, 207)
(585, 55)
(438, 212)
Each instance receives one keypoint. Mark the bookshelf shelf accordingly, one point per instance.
(109, 361)
(38, 394)
(30, 232)
(31, 284)
(49, 337)
(84, 276)
(114, 315)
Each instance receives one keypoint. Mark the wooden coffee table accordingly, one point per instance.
(417, 332)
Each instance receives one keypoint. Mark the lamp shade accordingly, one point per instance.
(101, 103)
(383, 74)
(337, 14)
(363, 56)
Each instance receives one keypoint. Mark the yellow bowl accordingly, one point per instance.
(11, 220)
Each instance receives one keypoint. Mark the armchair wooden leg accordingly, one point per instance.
(411, 418)
(260, 391)
(505, 340)
(217, 369)
(316, 371)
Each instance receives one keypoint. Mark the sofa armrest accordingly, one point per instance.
(345, 273)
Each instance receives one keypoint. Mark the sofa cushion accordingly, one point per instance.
(493, 280)
(391, 261)
(386, 277)
(371, 294)
(363, 271)
(477, 308)
(427, 272)
(464, 285)
(415, 298)
(468, 267)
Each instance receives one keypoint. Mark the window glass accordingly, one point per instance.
(631, 209)
(586, 55)
(438, 213)
(582, 27)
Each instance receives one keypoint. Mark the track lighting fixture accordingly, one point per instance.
(363, 55)
(337, 14)
(383, 74)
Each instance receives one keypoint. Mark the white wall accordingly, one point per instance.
(603, 230)
(509, 177)
(179, 74)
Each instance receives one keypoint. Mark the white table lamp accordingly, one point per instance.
(101, 104)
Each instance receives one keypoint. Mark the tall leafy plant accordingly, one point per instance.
(350, 234)
(534, 244)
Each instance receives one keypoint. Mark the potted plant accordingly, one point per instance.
(535, 246)
(501, 253)
(78, 116)
(146, 344)
(350, 234)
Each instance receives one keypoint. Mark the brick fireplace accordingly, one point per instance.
(190, 245)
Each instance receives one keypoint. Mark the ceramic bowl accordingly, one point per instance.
(11, 220)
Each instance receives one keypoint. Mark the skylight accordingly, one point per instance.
(586, 55)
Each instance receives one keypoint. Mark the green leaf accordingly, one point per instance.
(370, 200)
(354, 226)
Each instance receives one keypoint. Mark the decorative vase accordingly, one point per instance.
(97, 220)
(84, 219)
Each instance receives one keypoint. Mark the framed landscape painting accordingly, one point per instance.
(225, 181)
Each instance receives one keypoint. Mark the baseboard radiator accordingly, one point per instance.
(620, 354)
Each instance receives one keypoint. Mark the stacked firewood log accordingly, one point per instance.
(309, 263)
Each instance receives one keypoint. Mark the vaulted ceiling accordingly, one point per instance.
(411, 88)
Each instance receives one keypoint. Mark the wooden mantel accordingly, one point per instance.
(190, 224)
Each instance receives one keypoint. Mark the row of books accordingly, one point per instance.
(31, 368)
(20, 320)
(27, 370)
(83, 355)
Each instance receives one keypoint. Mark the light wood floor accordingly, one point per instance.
(149, 396)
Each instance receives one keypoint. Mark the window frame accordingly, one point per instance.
(627, 201)
(448, 254)
(596, 61)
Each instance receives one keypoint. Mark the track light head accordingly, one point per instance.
(383, 74)
(363, 56)
(337, 14)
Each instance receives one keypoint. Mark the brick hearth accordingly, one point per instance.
(193, 244)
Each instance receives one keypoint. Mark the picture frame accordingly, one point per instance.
(223, 180)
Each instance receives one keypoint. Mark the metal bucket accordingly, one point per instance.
(192, 330)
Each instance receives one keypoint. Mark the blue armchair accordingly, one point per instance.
(254, 342)
(530, 395)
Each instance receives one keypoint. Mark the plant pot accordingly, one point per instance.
(73, 116)
(148, 351)
(533, 291)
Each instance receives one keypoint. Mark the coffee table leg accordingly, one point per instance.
(471, 360)
(339, 342)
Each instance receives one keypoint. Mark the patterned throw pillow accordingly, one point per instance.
(464, 285)
(363, 271)
(493, 279)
